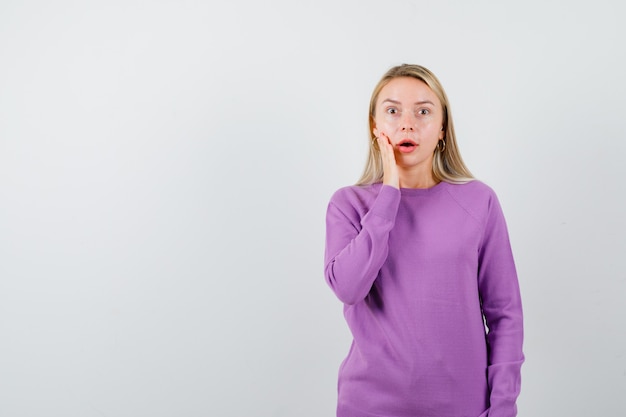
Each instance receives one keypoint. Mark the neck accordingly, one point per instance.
(417, 178)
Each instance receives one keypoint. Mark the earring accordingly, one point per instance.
(441, 145)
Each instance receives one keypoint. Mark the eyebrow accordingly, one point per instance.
(388, 100)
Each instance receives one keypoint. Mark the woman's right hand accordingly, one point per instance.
(390, 168)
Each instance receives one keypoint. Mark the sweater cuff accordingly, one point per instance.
(386, 204)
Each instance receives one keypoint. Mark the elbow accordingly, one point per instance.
(347, 297)
(347, 294)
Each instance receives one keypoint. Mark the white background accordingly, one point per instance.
(165, 168)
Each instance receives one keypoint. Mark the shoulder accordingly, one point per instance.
(355, 195)
(474, 189)
(354, 201)
(475, 197)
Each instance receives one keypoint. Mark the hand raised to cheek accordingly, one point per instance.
(390, 169)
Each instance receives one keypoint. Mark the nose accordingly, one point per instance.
(408, 123)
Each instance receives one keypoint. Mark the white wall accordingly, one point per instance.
(165, 168)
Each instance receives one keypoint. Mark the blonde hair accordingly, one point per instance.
(447, 164)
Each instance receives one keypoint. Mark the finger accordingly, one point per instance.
(384, 143)
(386, 154)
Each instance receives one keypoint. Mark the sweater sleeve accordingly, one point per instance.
(502, 308)
(356, 248)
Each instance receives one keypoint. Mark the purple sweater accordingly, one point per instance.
(417, 271)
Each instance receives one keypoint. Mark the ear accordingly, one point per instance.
(375, 131)
(441, 133)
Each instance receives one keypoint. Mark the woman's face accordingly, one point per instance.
(409, 113)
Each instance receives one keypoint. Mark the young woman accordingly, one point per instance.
(418, 252)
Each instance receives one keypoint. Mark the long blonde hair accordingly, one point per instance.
(447, 164)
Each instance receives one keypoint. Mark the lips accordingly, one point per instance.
(406, 145)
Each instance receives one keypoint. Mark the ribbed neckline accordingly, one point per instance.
(424, 191)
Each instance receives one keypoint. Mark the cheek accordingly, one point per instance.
(433, 127)
(383, 123)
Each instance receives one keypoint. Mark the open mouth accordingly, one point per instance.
(407, 145)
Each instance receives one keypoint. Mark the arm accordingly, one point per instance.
(357, 248)
(502, 308)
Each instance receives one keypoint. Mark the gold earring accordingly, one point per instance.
(440, 147)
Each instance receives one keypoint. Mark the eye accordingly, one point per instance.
(423, 112)
(392, 110)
